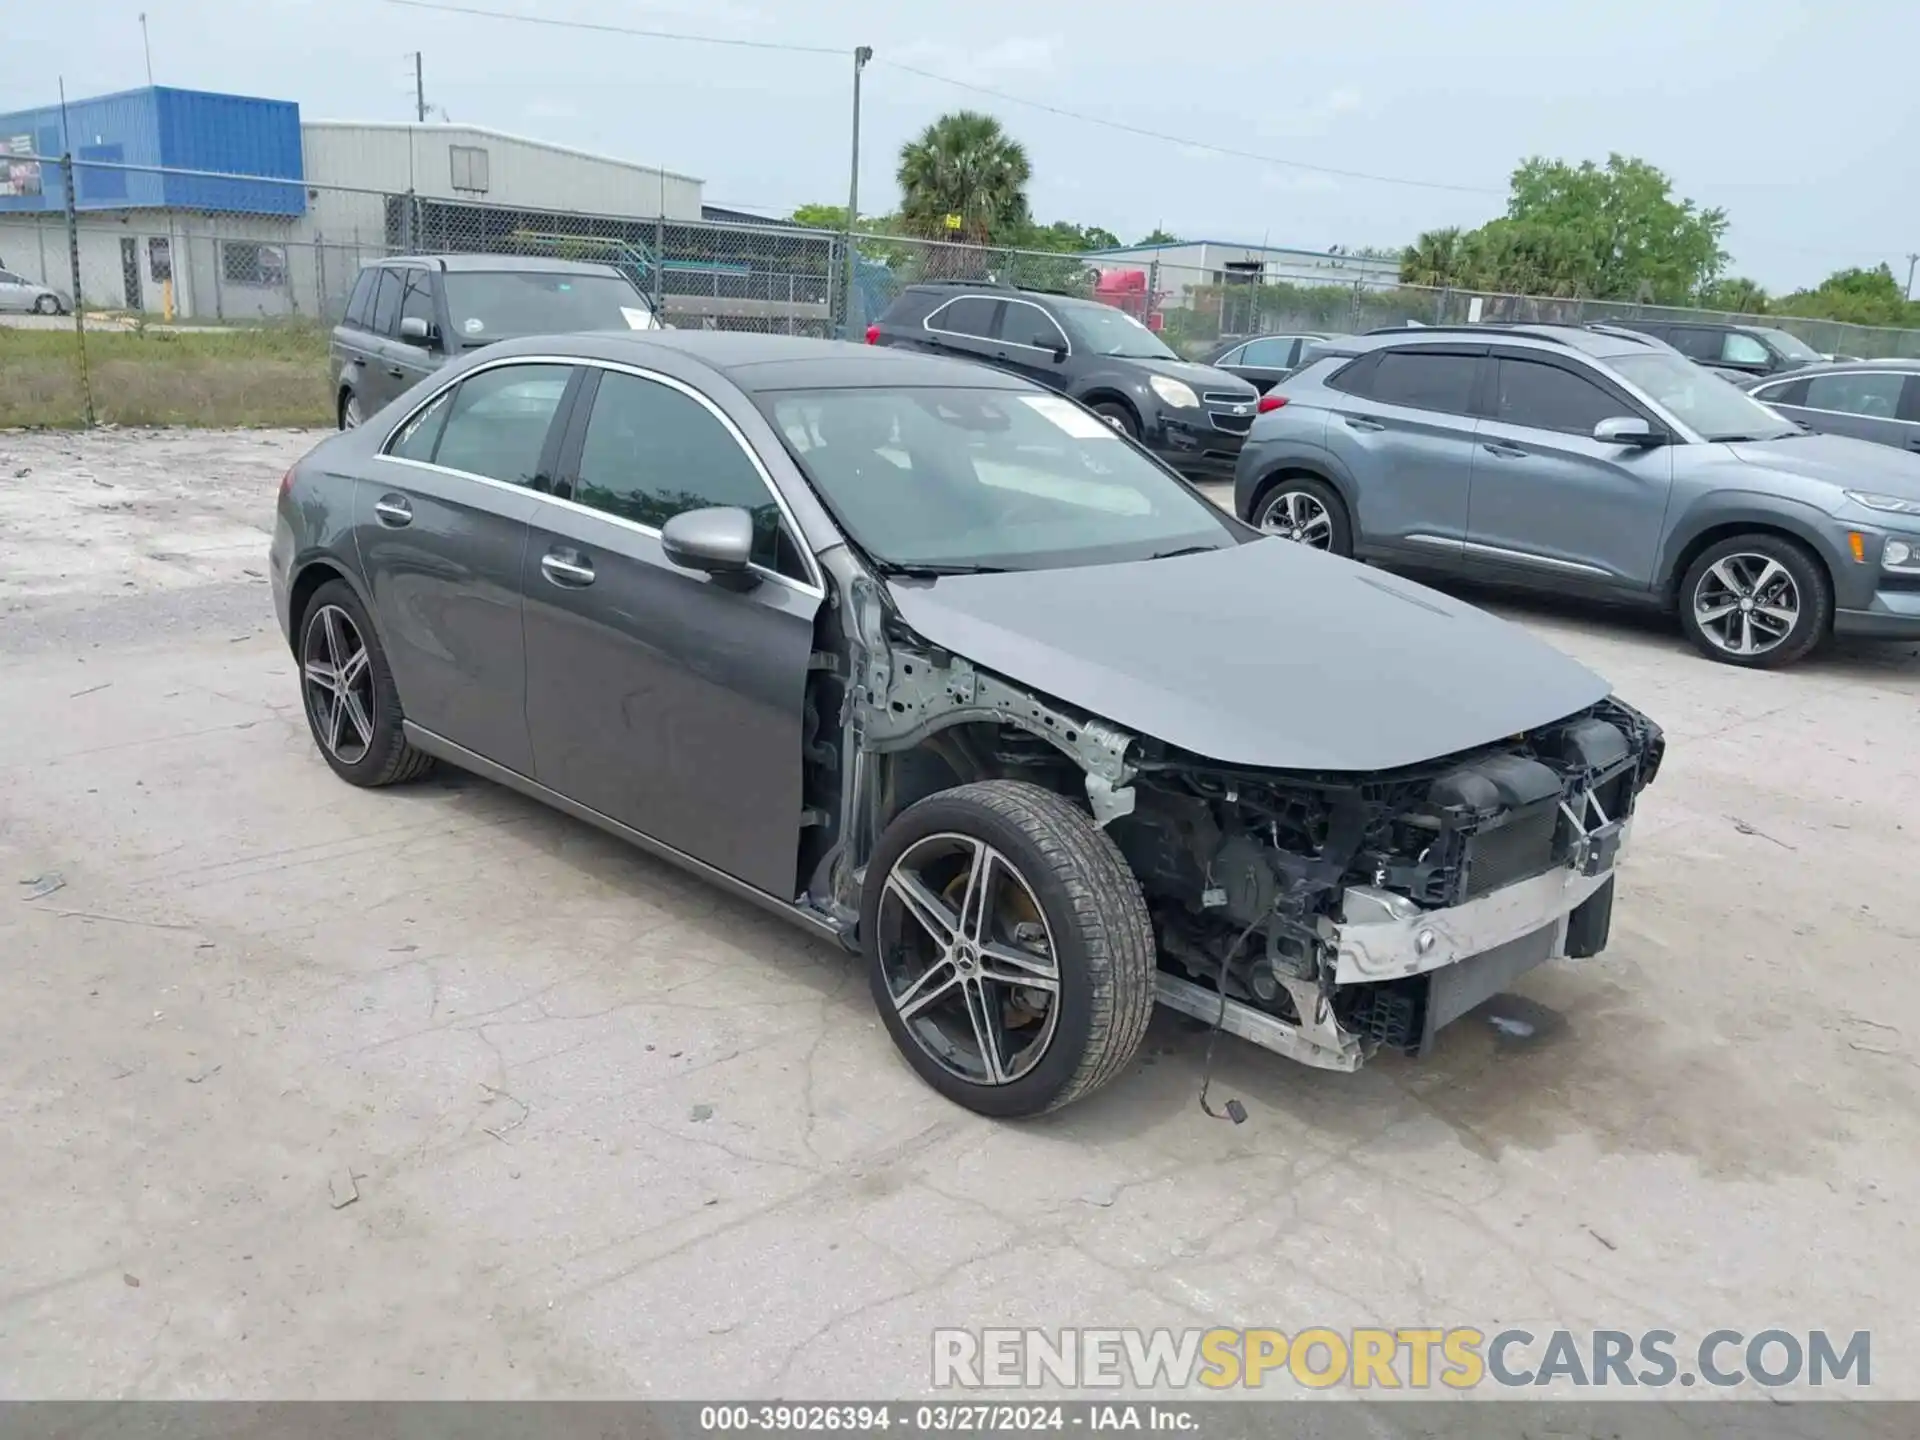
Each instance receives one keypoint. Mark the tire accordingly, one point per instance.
(1758, 600)
(350, 416)
(1044, 856)
(1306, 510)
(46, 305)
(362, 741)
(1118, 416)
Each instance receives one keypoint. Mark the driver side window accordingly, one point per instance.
(1738, 349)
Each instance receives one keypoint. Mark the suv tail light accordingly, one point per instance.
(873, 334)
(1270, 403)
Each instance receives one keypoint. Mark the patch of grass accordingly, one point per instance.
(261, 376)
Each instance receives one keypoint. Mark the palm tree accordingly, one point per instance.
(963, 164)
(1433, 260)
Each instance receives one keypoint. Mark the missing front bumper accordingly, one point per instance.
(1403, 973)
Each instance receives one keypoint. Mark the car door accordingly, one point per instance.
(967, 325)
(1402, 430)
(665, 699)
(1877, 405)
(1031, 343)
(441, 521)
(1744, 354)
(383, 375)
(1263, 363)
(1547, 498)
(417, 358)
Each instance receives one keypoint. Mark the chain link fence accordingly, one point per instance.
(268, 264)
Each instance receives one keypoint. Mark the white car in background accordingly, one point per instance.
(27, 296)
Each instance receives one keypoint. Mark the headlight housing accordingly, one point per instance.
(1892, 504)
(1901, 555)
(1176, 393)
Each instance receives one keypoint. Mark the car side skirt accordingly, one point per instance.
(444, 749)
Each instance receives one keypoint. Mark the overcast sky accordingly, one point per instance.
(1801, 119)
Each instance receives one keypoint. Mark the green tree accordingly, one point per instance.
(1736, 295)
(1066, 237)
(1157, 236)
(821, 217)
(1622, 223)
(964, 164)
(1436, 258)
(1857, 296)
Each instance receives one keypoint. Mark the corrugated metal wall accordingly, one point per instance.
(163, 127)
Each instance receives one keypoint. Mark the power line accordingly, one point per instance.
(605, 29)
(1140, 130)
(1062, 111)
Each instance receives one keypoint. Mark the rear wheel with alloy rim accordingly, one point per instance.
(1008, 947)
(1308, 512)
(350, 415)
(1119, 417)
(353, 709)
(1756, 600)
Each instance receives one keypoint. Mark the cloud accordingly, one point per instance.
(1014, 55)
(1343, 102)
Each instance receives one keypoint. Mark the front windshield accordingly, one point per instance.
(1108, 331)
(1715, 408)
(953, 479)
(488, 305)
(1791, 345)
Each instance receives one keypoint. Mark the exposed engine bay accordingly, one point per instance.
(1322, 915)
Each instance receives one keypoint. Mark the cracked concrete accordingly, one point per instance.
(612, 1133)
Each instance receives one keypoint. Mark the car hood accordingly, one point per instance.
(1267, 655)
(1839, 460)
(1200, 377)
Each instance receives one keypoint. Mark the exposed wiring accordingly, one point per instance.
(1234, 1111)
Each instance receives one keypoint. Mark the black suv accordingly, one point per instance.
(1193, 417)
(411, 314)
(1733, 350)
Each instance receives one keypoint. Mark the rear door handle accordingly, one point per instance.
(396, 372)
(1505, 452)
(568, 569)
(1355, 422)
(393, 511)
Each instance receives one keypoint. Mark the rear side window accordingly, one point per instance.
(1273, 353)
(1874, 394)
(969, 315)
(1422, 380)
(386, 303)
(360, 303)
(1546, 397)
(498, 421)
(1695, 343)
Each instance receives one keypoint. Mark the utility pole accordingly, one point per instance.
(1912, 260)
(146, 47)
(861, 55)
(419, 88)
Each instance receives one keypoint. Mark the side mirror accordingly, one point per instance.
(1059, 354)
(416, 331)
(1629, 430)
(717, 541)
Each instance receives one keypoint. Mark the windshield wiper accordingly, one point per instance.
(1184, 550)
(934, 571)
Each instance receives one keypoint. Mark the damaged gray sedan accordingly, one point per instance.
(936, 664)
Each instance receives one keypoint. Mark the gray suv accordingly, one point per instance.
(1589, 462)
(411, 314)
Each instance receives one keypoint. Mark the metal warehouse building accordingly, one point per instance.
(161, 224)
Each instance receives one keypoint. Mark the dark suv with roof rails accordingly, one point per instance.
(1595, 462)
(1742, 351)
(1193, 417)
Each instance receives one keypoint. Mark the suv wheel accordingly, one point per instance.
(1307, 512)
(350, 415)
(1119, 417)
(1756, 600)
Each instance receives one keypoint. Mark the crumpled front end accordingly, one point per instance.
(1341, 915)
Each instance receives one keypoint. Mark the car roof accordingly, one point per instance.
(1606, 343)
(758, 363)
(1897, 364)
(536, 264)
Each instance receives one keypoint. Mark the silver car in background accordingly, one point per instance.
(19, 294)
(1877, 400)
(1594, 463)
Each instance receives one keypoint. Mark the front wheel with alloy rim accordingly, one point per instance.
(46, 305)
(1308, 512)
(1008, 947)
(352, 706)
(1119, 417)
(1756, 600)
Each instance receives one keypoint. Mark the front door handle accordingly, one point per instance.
(396, 372)
(1505, 452)
(568, 569)
(393, 511)
(1914, 444)
(1356, 422)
